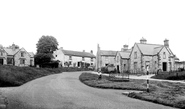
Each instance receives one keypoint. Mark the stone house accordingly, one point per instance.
(123, 59)
(74, 58)
(155, 55)
(105, 57)
(15, 56)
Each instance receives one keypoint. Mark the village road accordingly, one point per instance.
(65, 91)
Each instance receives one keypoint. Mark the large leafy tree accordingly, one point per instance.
(45, 47)
(47, 44)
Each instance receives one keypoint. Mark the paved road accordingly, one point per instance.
(65, 91)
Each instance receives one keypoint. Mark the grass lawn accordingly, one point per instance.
(16, 76)
(166, 93)
(170, 76)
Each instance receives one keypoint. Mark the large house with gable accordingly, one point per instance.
(156, 56)
(105, 57)
(14, 56)
(69, 58)
(123, 59)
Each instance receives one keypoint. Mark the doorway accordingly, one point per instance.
(1, 61)
(164, 66)
(118, 68)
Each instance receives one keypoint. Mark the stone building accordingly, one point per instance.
(69, 58)
(123, 59)
(105, 57)
(155, 55)
(14, 56)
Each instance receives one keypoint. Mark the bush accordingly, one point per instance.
(104, 70)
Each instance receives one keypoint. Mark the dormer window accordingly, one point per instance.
(1, 53)
(22, 54)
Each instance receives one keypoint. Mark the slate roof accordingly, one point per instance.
(156, 50)
(31, 54)
(77, 53)
(125, 54)
(149, 49)
(108, 53)
(10, 51)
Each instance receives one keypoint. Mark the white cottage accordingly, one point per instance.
(69, 58)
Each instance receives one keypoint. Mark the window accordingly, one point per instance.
(9, 61)
(135, 55)
(91, 63)
(31, 61)
(70, 57)
(147, 63)
(164, 55)
(91, 59)
(55, 55)
(70, 63)
(22, 61)
(135, 65)
(22, 54)
(83, 59)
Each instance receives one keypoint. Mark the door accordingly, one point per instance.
(164, 66)
(1, 61)
(118, 68)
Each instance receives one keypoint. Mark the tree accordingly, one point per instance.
(47, 44)
(45, 47)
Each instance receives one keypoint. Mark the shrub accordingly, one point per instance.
(104, 70)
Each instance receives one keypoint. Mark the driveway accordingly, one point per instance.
(65, 91)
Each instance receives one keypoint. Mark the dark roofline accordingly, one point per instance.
(93, 56)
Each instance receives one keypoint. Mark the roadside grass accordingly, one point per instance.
(16, 76)
(170, 75)
(166, 93)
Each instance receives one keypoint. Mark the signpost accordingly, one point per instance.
(147, 72)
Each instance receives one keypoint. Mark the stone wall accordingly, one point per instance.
(135, 68)
(18, 58)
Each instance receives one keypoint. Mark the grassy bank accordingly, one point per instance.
(16, 76)
(170, 76)
(166, 93)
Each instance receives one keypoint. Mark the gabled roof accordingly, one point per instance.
(31, 54)
(11, 51)
(108, 53)
(77, 53)
(157, 50)
(125, 54)
(148, 49)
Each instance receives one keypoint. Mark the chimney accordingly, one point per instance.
(13, 47)
(143, 40)
(83, 50)
(166, 43)
(125, 47)
(91, 51)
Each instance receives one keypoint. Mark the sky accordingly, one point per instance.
(82, 24)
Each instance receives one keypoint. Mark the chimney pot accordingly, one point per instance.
(166, 42)
(125, 47)
(143, 40)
